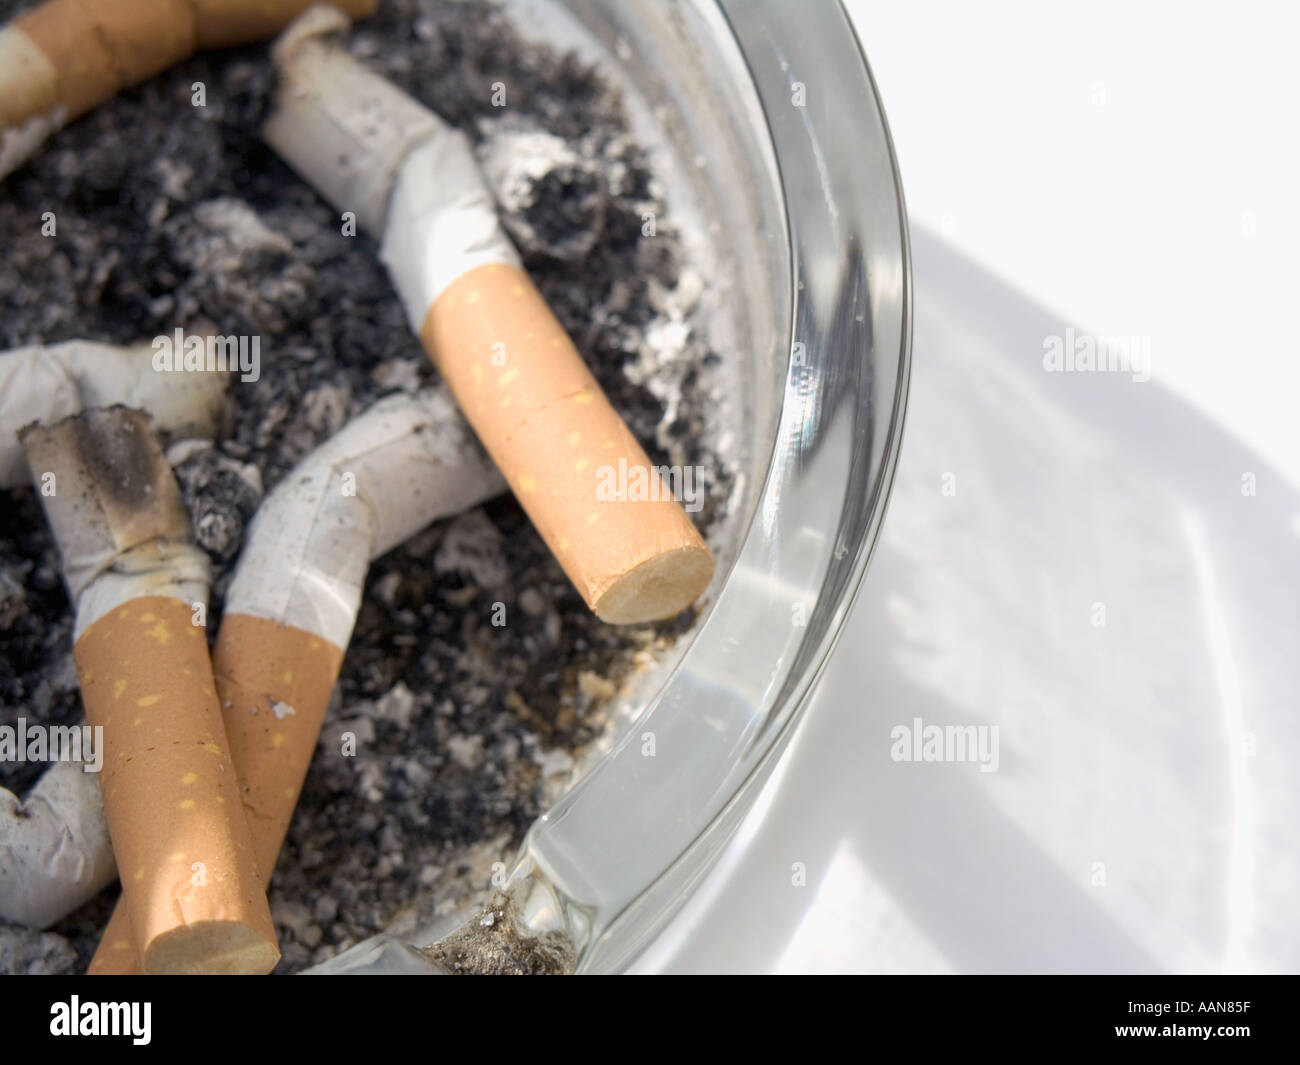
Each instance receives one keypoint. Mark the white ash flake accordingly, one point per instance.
(472, 546)
(466, 751)
(553, 762)
(514, 160)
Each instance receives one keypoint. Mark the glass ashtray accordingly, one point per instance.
(766, 114)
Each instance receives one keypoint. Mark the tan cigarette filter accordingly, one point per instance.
(223, 23)
(98, 47)
(185, 856)
(550, 428)
(88, 50)
(274, 682)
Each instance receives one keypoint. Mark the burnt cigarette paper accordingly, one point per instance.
(44, 384)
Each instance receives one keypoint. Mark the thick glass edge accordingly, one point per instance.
(674, 883)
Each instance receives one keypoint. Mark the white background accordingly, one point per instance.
(1124, 169)
(1133, 166)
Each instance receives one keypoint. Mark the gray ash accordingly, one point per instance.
(492, 944)
(222, 494)
(37, 677)
(170, 215)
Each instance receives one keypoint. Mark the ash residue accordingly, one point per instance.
(492, 945)
(222, 494)
(554, 199)
(475, 672)
(37, 677)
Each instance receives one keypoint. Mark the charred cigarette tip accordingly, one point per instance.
(115, 510)
(42, 384)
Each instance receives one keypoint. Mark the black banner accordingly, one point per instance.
(382, 1015)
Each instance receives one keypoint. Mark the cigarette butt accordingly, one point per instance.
(183, 849)
(274, 683)
(100, 47)
(520, 381)
(184, 852)
(554, 435)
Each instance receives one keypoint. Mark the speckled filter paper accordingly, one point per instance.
(274, 683)
(99, 48)
(184, 852)
(62, 58)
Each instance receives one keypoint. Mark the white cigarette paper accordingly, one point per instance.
(383, 477)
(367, 147)
(106, 562)
(55, 852)
(44, 384)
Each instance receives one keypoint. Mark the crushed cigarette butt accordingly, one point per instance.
(134, 578)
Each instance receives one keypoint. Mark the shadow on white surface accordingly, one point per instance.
(1075, 559)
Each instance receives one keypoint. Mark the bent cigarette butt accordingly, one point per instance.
(44, 384)
(521, 382)
(553, 433)
(297, 588)
(184, 853)
(64, 57)
(55, 851)
(384, 476)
